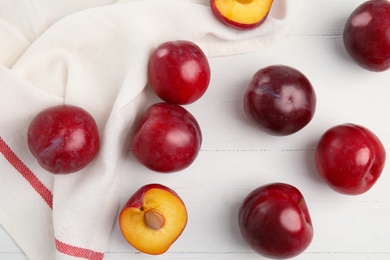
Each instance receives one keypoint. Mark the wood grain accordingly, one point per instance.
(236, 157)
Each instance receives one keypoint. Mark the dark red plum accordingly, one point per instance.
(167, 138)
(366, 35)
(275, 221)
(179, 72)
(280, 99)
(63, 139)
(350, 158)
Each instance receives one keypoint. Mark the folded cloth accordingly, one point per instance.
(94, 54)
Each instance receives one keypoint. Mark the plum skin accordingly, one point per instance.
(280, 99)
(64, 139)
(350, 158)
(366, 35)
(275, 221)
(167, 138)
(179, 72)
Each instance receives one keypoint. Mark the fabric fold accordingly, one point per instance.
(92, 54)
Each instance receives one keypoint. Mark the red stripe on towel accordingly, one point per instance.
(37, 185)
(47, 196)
(78, 252)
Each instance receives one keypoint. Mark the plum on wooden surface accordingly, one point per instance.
(350, 158)
(366, 35)
(275, 221)
(280, 99)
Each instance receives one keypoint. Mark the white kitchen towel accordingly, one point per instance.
(94, 54)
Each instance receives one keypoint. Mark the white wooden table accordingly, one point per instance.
(236, 157)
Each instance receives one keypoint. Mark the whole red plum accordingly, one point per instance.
(63, 139)
(350, 158)
(179, 72)
(275, 221)
(280, 99)
(366, 35)
(167, 138)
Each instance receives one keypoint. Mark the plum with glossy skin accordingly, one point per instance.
(153, 219)
(366, 35)
(167, 138)
(179, 72)
(275, 221)
(350, 158)
(280, 99)
(241, 14)
(63, 139)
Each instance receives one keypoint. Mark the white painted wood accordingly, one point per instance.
(236, 157)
